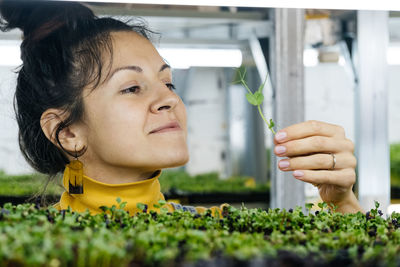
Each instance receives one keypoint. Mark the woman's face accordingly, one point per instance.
(136, 124)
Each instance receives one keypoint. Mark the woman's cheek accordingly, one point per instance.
(183, 116)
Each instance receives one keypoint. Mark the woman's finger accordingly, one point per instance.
(318, 162)
(309, 128)
(312, 145)
(342, 178)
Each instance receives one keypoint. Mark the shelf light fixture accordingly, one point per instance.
(184, 58)
(178, 58)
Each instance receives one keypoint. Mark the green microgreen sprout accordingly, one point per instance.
(141, 206)
(322, 205)
(160, 205)
(250, 237)
(309, 206)
(256, 98)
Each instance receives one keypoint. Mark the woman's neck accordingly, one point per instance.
(118, 175)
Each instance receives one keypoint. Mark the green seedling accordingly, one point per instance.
(141, 206)
(250, 237)
(309, 206)
(256, 98)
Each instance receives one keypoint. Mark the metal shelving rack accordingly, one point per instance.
(274, 39)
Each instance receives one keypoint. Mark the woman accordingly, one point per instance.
(95, 91)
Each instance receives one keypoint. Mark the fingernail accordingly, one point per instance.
(298, 174)
(280, 136)
(280, 149)
(283, 164)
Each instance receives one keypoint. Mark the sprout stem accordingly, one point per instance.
(264, 119)
(245, 86)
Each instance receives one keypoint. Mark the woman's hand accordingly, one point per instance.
(319, 153)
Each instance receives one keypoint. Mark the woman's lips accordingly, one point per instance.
(172, 126)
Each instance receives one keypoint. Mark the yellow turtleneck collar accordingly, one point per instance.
(96, 194)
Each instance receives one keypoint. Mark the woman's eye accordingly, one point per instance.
(170, 86)
(133, 89)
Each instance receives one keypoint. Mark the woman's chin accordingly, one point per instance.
(175, 159)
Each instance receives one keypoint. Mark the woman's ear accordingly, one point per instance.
(70, 137)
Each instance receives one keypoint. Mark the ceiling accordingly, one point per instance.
(211, 25)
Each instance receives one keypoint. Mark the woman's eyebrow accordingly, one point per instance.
(163, 67)
(136, 68)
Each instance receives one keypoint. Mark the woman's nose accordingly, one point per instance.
(166, 100)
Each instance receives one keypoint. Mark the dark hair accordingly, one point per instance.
(62, 52)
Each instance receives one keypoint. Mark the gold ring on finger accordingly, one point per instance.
(333, 160)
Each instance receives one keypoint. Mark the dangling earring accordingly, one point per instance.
(75, 176)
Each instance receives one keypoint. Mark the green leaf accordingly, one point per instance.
(309, 206)
(118, 200)
(122, 205)
(259, 97)
(251, 99)
(271, 124)
(103, 208)
(162, 202)
(242, 74)
(255, 99)
(237, 82)
(261, 87)
(376, 204)
(141, 206)
(334, 207)
(164, 210)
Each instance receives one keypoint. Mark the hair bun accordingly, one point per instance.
(40, 17)
(13, 14)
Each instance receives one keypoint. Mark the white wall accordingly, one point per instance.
(329, 96)
(11, 159)
(205, 104)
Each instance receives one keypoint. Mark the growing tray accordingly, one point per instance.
(184, 198)
(188, 198)
(193, 198)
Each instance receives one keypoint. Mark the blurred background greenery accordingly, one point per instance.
(170, 180)
(395, 164)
